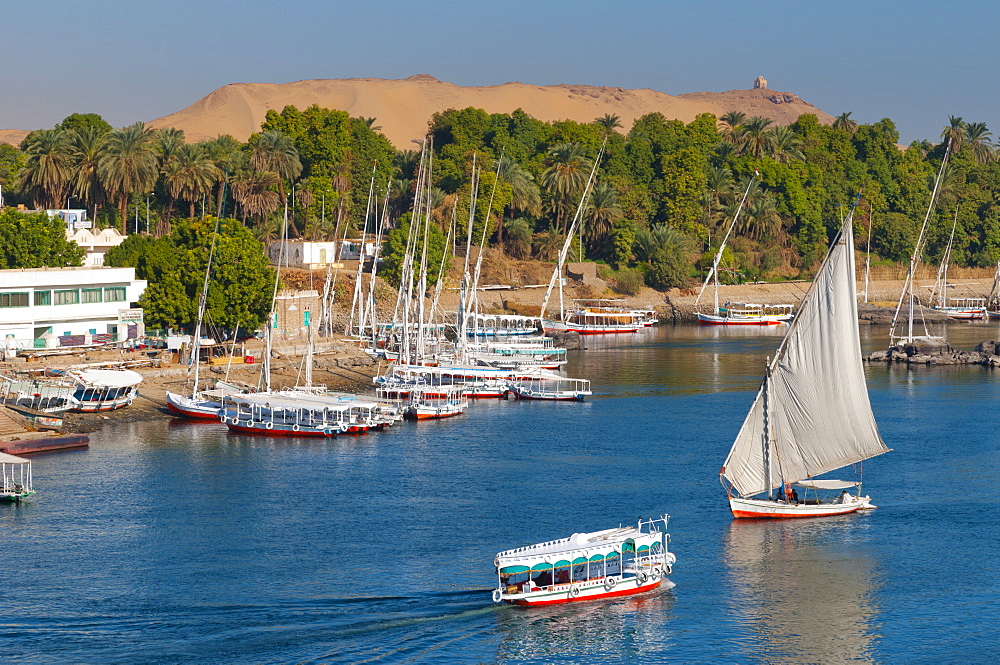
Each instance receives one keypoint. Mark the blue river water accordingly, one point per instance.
(168, 542)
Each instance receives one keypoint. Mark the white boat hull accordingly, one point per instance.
(765, 509)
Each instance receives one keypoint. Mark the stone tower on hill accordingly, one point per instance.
(760, 82)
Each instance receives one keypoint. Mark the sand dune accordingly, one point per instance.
(403, 107)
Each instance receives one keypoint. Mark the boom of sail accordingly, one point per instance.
(812, 414)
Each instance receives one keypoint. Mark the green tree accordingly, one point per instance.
(34, 240)
(129, 165)
(565, 180)
(844, 123)
(48, 167)
(80, 122)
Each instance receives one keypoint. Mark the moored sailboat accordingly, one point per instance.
(812, 414)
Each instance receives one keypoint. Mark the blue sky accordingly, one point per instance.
(915, 62)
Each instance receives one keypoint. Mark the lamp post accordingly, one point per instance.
(147, 215)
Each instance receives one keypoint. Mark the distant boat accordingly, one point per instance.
(812, 414)
(738, 314)
(16, 483)
(586, 566)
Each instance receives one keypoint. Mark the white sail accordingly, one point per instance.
(812, 414)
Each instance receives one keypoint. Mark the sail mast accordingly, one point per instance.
(718, 255)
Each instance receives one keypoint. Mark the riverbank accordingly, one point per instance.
(338, 364)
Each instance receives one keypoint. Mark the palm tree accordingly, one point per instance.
(168, 141)
(525, 196)
(757, 140)
(228, 155)
(954, 132)
(977, 137)
(786, 146)
(199, 173)
(609, 122)
(844, 122)
(565, 179)
(48, 167)
(371, 124)
(760, 219)
(518, 238)
(950, 187)
(731, 127)
(129, 164)
(548, 244)
(276, 152)
(86, 148)
(254, 192)
(601, 214)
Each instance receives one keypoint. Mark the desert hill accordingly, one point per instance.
(402, 107)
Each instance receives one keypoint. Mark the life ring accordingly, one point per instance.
(574, 591)
(224, 420)
(269, 426)
(128, 402)
(295, 427)
(643, 577)
(496, 562)
(610, 583)
(656, 572)
(497, 595)
(667, 569)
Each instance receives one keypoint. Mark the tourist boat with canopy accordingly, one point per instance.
(586, 566)
(501, 325)
(812, 414)
(104, 389)
(16, 473)
(551, 387)
(298, 414)
(436, 402)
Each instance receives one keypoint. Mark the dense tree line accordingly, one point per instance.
(664, 193)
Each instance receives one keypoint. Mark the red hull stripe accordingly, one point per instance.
(609, 594)
(274, 432)
(746, 514)
(191, 414)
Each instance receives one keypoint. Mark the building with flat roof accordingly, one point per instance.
(312, 254)
(50, 307)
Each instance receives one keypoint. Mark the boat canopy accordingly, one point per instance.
(827, 484)
(110, 378)
(577, 550)
(11, 459)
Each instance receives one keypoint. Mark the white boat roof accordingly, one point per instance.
(12, 459)
(111, 378)
(594, 542)
(827, 484)
(291, 401)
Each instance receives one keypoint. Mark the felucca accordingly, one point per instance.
(812, 414)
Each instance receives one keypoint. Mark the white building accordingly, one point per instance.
(96, 244)
(49, 307)
(309, 254)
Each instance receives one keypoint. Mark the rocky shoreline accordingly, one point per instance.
(936, 351)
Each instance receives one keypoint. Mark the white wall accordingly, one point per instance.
(25, 323)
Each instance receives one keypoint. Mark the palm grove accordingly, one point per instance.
(664, 193)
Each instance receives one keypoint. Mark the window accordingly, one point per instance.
(13, 299)
(92, 295)
(114, 294)
(43, 298)
(68, 297)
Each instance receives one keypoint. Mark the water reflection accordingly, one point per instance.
(620, 630)
(802, 592)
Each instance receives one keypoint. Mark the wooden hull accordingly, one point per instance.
(431, 414)
(756, 509)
